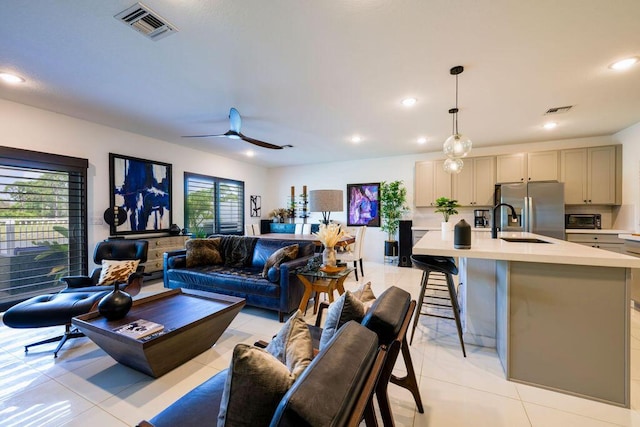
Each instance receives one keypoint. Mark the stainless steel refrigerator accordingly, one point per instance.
(539, 205)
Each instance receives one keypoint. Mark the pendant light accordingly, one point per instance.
(457, 145)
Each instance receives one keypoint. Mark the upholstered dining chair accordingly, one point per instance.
(355, 255)
(82, 293)
(248, 230)
(298, 229)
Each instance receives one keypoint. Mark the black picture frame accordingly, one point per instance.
(363, 205)
(255, 206)
(142, 188)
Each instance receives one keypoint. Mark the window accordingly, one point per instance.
(213, 205)
(43, 222)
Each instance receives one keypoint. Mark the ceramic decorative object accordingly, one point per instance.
(329, 257)
(116, 304)
(446, 226)
(462, 235)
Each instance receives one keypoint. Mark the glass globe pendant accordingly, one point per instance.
(457, 145)
(453, 165)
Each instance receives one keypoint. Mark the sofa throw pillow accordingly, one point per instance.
(116, 271)
(293, 345)
(286, 253)
(203, 252)
(342, 310)
(255, 384)
(365, 294)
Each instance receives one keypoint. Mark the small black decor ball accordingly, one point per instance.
(115, 305)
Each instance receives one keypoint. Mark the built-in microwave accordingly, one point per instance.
(585, 221)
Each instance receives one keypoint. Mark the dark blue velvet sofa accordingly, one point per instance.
(280, 291)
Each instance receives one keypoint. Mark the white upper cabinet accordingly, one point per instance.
(592, 175)
(475, 184)
(511, 168)
(543, 166)
(528, 167)
(431, 182)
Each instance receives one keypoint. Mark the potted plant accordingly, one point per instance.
(393, 204)
(446, 207)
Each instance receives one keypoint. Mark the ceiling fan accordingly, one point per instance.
(234, 133)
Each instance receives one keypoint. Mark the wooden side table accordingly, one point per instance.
(319, 281)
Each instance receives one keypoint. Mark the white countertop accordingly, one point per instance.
(628, 236)
(556, 252)
(568, 230)
(439, 228)
(591, 231)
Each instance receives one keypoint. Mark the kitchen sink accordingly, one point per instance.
(523, 240)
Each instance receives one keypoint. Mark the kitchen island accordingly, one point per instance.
(557, 312)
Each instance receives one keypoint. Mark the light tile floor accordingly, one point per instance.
(84, 386)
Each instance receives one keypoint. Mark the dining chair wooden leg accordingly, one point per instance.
(361, 269)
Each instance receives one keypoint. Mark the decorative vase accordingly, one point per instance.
(446, 226)
(116, 304)
(329, 257)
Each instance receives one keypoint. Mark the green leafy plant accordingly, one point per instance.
(393, 204)
(54, 248)
(447, 207)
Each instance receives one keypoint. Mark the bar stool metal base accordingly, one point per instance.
(444, 296)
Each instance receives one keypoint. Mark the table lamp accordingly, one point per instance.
(325, 201)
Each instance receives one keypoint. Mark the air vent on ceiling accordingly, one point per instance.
(147, 22)
(558, 110)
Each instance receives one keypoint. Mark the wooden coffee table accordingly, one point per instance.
(193, 321)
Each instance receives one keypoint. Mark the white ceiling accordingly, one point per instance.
(313, 73)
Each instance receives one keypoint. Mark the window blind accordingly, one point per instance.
(43, 226)
(213, 205)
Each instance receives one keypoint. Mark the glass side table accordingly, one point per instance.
(321, 281)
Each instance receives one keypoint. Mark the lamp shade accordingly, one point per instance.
(325, 201)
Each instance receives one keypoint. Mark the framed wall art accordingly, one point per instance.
(256, 206)
(142, 189)
(363, 205)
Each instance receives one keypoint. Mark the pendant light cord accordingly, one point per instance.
(456, 113)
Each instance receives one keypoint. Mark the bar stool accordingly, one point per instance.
(437, 276)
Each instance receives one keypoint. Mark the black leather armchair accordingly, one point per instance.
(117, 250)
(81, 295)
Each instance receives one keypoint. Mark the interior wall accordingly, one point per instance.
(628, 215)
(39, 130)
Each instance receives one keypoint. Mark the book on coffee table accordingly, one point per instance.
(138, 329)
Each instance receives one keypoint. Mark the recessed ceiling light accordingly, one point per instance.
(422, 140)
(624, 64)
(249, 153)
(409, 102)
(356, 138)
(550, 125)
(11, 78)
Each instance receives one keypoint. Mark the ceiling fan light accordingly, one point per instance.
(457, 146)
(453, 165)
(11, 78)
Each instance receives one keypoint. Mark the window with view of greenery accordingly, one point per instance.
(43, 226)
(213, 205)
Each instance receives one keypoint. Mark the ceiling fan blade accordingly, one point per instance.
(234, 120)
(263, 144)
(224, 135)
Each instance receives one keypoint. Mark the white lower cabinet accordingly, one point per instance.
(609, 242)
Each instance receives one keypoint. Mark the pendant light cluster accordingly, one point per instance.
(457, 145)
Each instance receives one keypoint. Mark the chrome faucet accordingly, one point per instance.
(494, 224)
